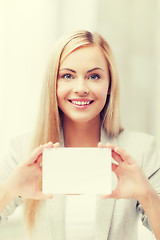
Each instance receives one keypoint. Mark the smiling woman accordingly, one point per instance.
(80, 108)
(82, 89)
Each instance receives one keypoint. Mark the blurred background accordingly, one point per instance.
(29, 29)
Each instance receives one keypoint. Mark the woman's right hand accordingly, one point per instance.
(24, 180)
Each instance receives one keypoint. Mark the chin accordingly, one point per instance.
(84, 120)
(80, 120)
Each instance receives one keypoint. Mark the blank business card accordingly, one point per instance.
(76, 171)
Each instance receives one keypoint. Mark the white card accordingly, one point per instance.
(76, 171)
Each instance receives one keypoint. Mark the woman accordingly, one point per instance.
(80, 108)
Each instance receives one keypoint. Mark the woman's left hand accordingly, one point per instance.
(132, 182)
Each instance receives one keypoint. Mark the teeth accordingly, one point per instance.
(80, 103)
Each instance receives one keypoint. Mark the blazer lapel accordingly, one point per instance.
(104, 213)
(104, 207)
(55, 209)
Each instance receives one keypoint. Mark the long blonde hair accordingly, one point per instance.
(49, 123)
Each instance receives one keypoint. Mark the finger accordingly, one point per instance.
(102, 145)
(37, 151)
(112, 195)
(56, 145)
(124, 155)
(116, 157)
(121, 152)
(42, 196)
(47, 145)
(107, 145)
(105, 196)
(112, 146)
(39, 160)
(114, 167)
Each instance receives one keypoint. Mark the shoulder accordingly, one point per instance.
(22, 140)
(17, 151)
(19, 146)
(137, 144)
(130, 137)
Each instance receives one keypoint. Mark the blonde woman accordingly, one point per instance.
(80, 108)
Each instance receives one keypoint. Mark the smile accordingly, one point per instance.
(81, 102)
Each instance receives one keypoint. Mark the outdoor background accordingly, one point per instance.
(29, 29)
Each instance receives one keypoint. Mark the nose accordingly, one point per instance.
(81, 87)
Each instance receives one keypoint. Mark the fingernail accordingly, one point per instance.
(107, 144)
(116, 148)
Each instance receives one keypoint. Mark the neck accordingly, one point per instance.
(81, 134)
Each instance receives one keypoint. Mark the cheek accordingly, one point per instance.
(101, 93)
(62, 91)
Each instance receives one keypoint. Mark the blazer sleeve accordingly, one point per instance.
(151, 167)
(8, 163)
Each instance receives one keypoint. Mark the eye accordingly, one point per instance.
(94, 76)
(67, 76)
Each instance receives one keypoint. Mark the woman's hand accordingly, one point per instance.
(25, 179)
(132, 182)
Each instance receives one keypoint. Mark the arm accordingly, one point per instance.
(151, 206)
(5, 196)
(24, 181)
(150, 203)
(18, 149)
(133, 183)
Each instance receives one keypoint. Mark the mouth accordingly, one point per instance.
(81, 102)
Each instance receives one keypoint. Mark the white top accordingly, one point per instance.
(80, 217)
(115, 219)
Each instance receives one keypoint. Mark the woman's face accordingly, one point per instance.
(83, 83)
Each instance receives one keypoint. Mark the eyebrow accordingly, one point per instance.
(93, 69)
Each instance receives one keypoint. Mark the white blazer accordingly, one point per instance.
(115, 219)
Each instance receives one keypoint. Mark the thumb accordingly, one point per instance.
(43, 196)
(101, 145)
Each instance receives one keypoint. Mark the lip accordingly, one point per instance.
(81, 103)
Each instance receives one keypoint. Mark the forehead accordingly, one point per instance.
(89, 56)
